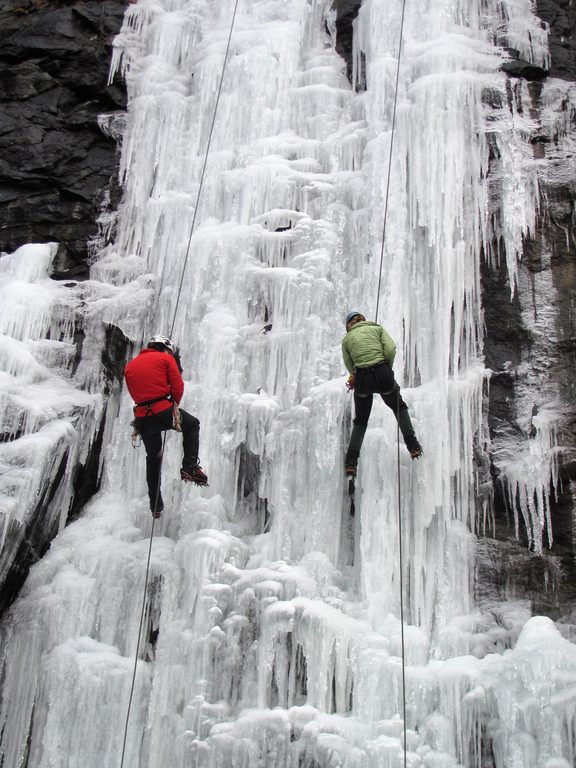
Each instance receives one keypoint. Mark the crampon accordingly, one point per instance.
(194, 475)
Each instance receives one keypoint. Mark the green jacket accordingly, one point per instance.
(367, 344)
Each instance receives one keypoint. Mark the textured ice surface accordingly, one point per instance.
(46, 421)
(272, 635)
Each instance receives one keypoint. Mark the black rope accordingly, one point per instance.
(401, 567)
(200, 186)
(143, 611)
(400, 557)
(393, 130)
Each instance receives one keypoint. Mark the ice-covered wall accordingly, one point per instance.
(272, 635)
(530, 332)
(47, 422)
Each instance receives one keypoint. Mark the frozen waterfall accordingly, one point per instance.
(272, 635)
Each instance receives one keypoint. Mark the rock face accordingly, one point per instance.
(55, 163)
(531, 337)
(346, 12)
(560, 15)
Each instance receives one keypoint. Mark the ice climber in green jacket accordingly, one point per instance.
(369, 352)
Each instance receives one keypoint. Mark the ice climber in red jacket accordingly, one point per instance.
(155, 383)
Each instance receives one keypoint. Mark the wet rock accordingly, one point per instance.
(25, 544)
(55, 162)
(522, 68)
(346, 12)
(530, 346)
(117, 350)
(506, 338)
(560, 15)
(507, 571)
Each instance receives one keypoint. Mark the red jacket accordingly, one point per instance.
(150, 375)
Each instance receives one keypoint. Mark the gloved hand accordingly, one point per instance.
(351, 383)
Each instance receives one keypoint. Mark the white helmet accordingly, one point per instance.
(163, 341)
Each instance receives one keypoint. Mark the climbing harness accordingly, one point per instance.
(136, 437)
(149, 413)
(149, 403)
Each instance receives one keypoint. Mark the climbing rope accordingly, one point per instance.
(201, 184)
(142, 614)
(186, 257)
(399, 485)
(401, 569)
(392, 132)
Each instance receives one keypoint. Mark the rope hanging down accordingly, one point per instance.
(401, 579)
(142, 615)
(186, 257)
(400, 557)
(393, 130)
(201, 184)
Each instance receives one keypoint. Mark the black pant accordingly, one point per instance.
(151, 428)
(377, 380)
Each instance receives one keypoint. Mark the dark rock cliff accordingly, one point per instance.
(55, 163)
(530, 340)
(346, 12)
(560, 15)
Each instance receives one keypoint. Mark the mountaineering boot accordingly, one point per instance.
(191, 472)
(157, 506)
(405, 424)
